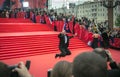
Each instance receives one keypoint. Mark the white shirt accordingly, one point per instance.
(65, 39)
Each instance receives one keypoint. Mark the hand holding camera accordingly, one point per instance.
(109, 56)
(20, 70)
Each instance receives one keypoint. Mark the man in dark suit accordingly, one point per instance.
(63, 44)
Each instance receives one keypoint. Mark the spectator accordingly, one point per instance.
(107, 55)
(66, 27)
(96, 37)
(4, 71)
(62, 69)
(105, 39)
(89, 64)
(114, 71)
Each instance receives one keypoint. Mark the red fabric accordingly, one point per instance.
(23, 27)
(61, 25)
(116, 42)
(20, 14)
(38, 19)
(1, 3)
(15, 20)
(77, 29)
(58, 25)
(71, 26)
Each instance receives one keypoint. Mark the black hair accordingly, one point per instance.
(89, 64)
(4, 70)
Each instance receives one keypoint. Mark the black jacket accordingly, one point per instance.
(113, 73)
(62, 40)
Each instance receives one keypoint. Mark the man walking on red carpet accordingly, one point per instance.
(64, 44)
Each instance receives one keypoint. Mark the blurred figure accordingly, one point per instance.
(66, 27)
(107, 56)
(62, 69)
(21, 70)
(7, 14)
(89, 64)
(4, 71)
(105, 39)
(64, 44)
(95, 40)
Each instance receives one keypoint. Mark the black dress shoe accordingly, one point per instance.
(57, 55)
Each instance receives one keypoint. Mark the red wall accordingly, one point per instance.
(32, 3)
(1, 2)
(37, 3)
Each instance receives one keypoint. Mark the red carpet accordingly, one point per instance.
(38, 47)
(23, 27)
(15, 20)
(41, 63)
(29, 45)
(36, 42)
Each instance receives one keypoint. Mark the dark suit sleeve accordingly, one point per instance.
(113, 73)
(60, 35)
(113, 65)
(70, 37)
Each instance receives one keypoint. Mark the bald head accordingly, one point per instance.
(102, 52)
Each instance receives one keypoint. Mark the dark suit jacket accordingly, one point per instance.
(113, 73)
(113, 65)
(62, 40)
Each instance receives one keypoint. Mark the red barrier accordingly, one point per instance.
(15, 20)
(38, 19)
(20, 14)
(71, 26)
(116, 43)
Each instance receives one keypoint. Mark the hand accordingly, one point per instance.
(75, 34)
(109, 56)
(22, 70)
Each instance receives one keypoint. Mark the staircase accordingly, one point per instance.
(30, 45)
(22, 38)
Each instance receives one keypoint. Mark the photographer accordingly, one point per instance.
(21, 70)
(107, 55)
(115, 69)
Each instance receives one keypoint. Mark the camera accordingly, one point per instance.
(49, 72)
(15, 74)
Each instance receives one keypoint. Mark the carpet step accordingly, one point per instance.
(23, 46)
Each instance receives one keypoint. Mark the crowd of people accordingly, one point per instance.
(86, 64)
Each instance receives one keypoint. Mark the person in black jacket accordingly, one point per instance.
(107, 55)
(21, 70)
(115, 69)
(63, 44)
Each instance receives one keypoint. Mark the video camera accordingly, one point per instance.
(15, 74)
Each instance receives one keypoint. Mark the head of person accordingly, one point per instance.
(96, 31)
(4, 70)
(63, 32)
(102, 52)
(62, 69)
(89, 64)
